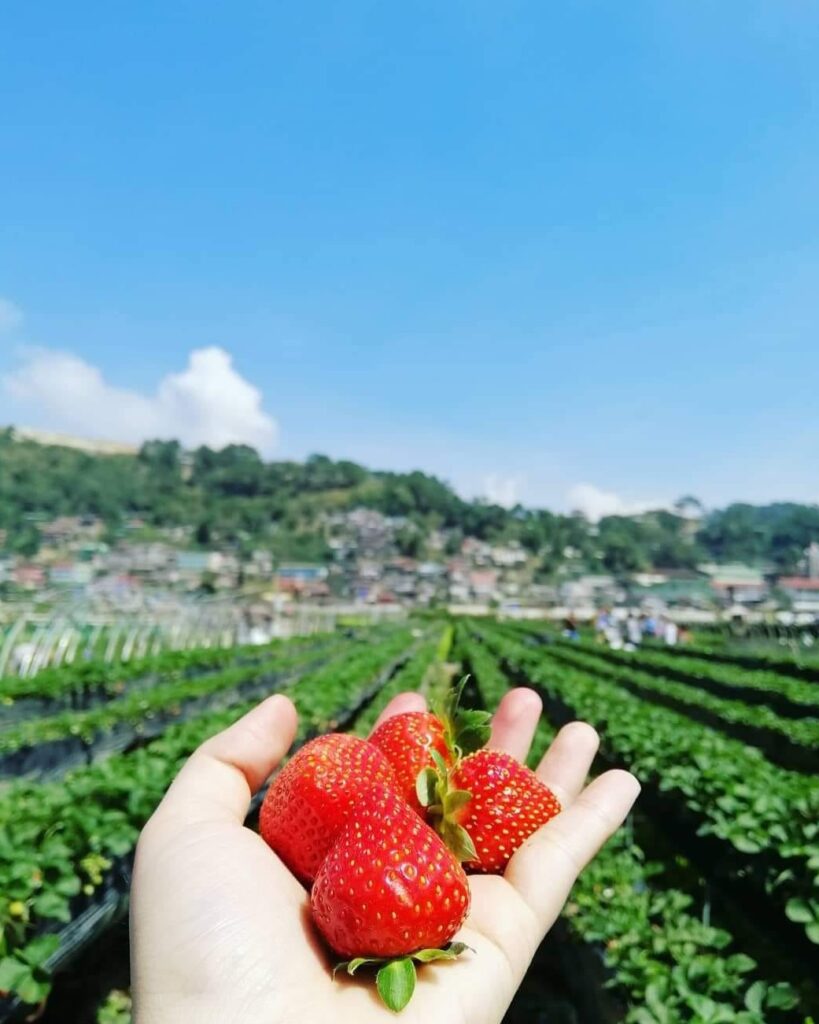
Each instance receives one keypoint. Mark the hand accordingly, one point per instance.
(221, 931)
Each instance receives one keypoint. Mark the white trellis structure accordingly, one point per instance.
(135, 626)
(35, 640)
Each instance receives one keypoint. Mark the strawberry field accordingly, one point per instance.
(704, 908)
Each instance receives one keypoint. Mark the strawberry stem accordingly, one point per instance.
(432, 787)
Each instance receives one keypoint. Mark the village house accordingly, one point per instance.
(483, 584)
(28, 576)
(70, 574)
(508, 556)
(801, 591)
(736, 583)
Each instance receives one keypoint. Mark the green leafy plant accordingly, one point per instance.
(59, 840)
(767, 815)
(671, 966)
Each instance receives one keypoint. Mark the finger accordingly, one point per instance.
(399, 705)
(565, 765)
(218, 780)
(515, 721)
(544, 869)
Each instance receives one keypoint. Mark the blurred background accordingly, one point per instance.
(322, 316)
(538, 285)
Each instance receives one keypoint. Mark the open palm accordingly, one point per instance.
(221, 930)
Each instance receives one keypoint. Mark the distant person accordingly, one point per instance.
(570, 630)
(634, 631)
(650, 626)
(601, 624)
(685, 636)
(671, 633)
(614, 636)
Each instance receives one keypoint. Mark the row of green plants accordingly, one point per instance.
(116, 1006)
(769, 817)
(139, 707)
(791, 658)
(772, 684)
(428, 672)
(59, 843)
(669, 964)
(631, 670)
(410, 677)
(733, 675)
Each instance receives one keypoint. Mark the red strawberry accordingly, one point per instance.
(419, 740)
(389, 886)
(508, 803)
(308, 802)
(407, 741)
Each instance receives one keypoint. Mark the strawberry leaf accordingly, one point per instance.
(472, 730)
(455, 800)
(466, 730)
(396, 983)
(446, 708)
(458, 840)
(351, 966)
(39, 950)
(450, 952)
(13, 973)
(425, 786)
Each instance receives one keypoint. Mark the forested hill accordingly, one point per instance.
(233, 497)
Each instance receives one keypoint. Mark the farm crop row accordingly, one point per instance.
(666, 963)
(762, 821)
(791, 743)
(64, 845)
(773, 683)
(794, 660)
(46, 744)
(766, 685)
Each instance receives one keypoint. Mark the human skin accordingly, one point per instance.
(221, 931)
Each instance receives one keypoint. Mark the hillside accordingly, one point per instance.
(233, 498)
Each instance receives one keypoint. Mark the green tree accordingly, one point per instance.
(409, 542)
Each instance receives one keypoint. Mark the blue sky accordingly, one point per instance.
(531, 248)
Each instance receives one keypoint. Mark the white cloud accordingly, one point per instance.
(595, 503)
(208, 402)
(11, 316)
(502, 490)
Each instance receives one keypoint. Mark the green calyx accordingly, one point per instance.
(465, 730)
(396, 976)
(442, 803)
